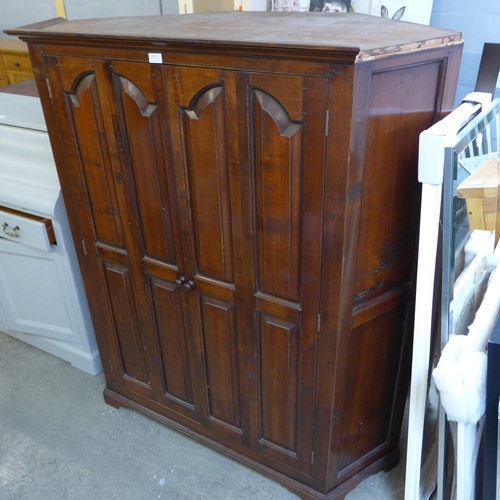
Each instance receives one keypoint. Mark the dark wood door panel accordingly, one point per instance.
(136, 88)
(278, 354)
(276, 133)
(221, 355)
(203, 134)
(128, 353)
(286, 144)
(278, 154)
(202, 107)
(173, 342)
(79, 82)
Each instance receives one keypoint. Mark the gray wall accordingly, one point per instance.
(479, 22)
(14, 13)
(81, 9)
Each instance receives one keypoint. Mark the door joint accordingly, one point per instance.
(84, 247)
(318, 324)
(327, 122)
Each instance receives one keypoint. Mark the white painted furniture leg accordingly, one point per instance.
(466, 438)
(429, 227)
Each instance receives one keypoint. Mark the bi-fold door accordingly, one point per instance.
(200, 199)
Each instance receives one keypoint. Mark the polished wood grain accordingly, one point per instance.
(245, 216)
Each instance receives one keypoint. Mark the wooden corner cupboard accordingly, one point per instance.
(243, 194)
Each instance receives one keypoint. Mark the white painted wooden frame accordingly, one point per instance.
(431, 171)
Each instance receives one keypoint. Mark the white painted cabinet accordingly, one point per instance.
(42, 301)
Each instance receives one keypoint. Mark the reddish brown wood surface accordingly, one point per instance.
(345, 34)
(246, 223)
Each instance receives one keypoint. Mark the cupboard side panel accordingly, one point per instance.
(374, 365)
(403, 102)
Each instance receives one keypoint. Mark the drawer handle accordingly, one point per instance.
(184, 284)
(188, 286)
(15, 230)
(17, 64)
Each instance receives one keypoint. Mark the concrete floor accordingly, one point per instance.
(60, 441)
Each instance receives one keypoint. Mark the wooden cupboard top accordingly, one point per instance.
(354, 35)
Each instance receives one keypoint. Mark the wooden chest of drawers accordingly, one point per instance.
(243, 194)
(15, 64)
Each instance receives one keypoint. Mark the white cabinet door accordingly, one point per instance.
(36, 292)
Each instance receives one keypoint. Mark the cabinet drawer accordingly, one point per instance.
(17, 62)
(4, 79)
(26, 229)
(15, 77)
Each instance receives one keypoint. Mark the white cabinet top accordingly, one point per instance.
(28, 176)
(21, 111)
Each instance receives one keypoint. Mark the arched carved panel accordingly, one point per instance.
(92, 149)
(200, 103)
(135, 93)
(206, 153)
(143, 152)
(80, 86)
(277, 154)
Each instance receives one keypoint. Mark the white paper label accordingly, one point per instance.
(155, 58)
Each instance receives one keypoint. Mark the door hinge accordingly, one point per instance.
(327, 122)
(84, 247)
(312, 457)
(49, 88)
(318, 324)
(110, 365)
